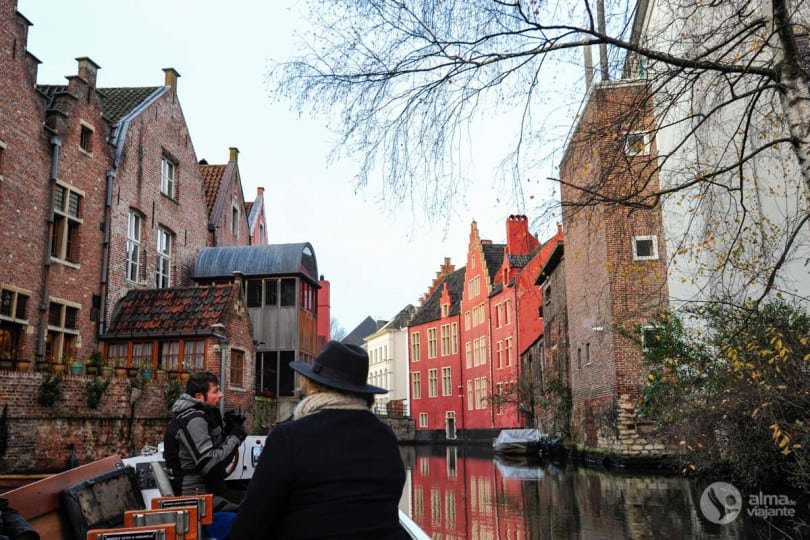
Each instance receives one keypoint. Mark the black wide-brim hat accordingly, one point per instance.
(342, 367)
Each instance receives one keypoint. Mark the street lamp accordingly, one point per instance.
(223, 341)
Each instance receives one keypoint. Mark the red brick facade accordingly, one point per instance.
(610, 291)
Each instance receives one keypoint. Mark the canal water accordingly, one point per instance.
(455, 492)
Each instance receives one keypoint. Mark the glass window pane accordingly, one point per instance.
(71, 315)
(22, 303)
(288, 292)
(6, 300)
(270, 292)
(254, 293)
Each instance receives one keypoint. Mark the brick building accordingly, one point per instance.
(257, 219)
(225, 202)
(615, 271)
(436, 370)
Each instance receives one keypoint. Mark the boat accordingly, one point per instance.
(96, 500)
(518, 442)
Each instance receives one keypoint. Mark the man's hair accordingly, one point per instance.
(199, 382)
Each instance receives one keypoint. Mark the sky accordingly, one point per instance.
(377, 259)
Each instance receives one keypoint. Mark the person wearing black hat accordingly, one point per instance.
(334, 471)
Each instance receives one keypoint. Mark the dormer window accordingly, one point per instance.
(445, 310)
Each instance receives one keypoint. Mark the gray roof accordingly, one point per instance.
(118, 102)
(519, 261)
(362, 330)
(401, 319)
(275, 259)
(493, 254)
(431, 310)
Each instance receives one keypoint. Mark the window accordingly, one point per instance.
(418, 502)
(467, 320)
(474, 287)
(481, 393)
(193, 355)
(508, 351)
(579, 358)
(416, 385)
(134, 246)
(649, 337)
(454, 338)
(235, 222)
(236, 375)
(468, 354)
(645, 248)
(168, 175)
(435, 507)
(415, 347)
(86, 138)
(499, 349)
(445, 310)
(433, 382)
(61, 341)
(168, 355)
(498, 315)
(587, 354)
(507, 309)
(470, 396)
(13, 304)
(447, 382)
(117, 354)
(431, 343)
(423, 420)
(270, 292)
(254, 293)
(142, 355)
(163, 273)
(66, 221)
(288, 292)
(499, 403)
(445, 339)
(637, 144)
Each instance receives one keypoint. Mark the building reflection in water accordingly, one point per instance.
(458, 492)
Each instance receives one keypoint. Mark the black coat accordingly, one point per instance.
(332, 474)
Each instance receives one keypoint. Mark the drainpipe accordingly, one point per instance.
(105, 253)
(44, 304)
(223, 341)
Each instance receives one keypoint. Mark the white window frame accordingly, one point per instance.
(168, 177)
(432, 345)
(416, 385)
(447, 381)
(630, 148)
(653, 256)
(646, 328)
(423, 420)
(415, 347)
(134, 236)
(433, 382)
(163, 262)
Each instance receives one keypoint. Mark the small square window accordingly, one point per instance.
(645, 248)
(637, 144)
(86, 139)
(649, 337)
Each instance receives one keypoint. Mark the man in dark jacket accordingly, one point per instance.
(197, 447)
(333, 472)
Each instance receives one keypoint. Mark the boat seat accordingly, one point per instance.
(185, 518)
(101, 502)
(163, 531)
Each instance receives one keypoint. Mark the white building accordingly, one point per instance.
(388, 362)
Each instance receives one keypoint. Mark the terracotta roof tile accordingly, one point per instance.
(212, 178)
(170, 311)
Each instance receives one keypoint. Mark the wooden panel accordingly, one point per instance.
(42, 497)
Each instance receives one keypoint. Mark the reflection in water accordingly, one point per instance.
(459, 492)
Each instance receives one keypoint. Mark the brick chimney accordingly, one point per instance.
(88, 70)
(170, 78)
(519, 241)
(233, 153)
(260, 192)
(324, 312)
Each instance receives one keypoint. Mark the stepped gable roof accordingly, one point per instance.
(364, 329)
(275, 259)
(212, 178)
(431, 310)
(119, 102)
(186, 311)
(493, 254)
(51, 91)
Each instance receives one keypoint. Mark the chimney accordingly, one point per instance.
(259, 192)
(518, 239)
(324, 312)
(233, 153)
(170, 78)
(586, 51)
(88, 70)
(600, 22)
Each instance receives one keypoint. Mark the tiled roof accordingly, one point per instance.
(493, 254)
(118, 102)
(248, 207)
(431, 309)
(498, 287)
(212, 178)
(519, 261)
(363, 330)
(401, 319)
(170, 311)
